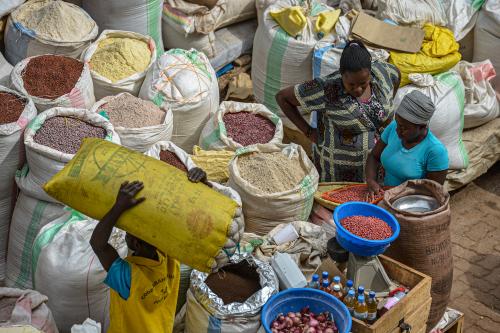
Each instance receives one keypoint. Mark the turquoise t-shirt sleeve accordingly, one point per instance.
(438, 158)
(119, 278)
(386, 134)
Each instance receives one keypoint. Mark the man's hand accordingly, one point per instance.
(197, 175)
(126, 196)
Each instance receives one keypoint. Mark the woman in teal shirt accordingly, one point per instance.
(408, 149)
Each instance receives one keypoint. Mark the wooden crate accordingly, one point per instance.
(413, 308)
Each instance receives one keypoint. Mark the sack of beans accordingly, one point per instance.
(67, 270)
(141, 16)
(30, 215)
(235, 125)
(186, 82)
(230, 300)
(119, 61)
(139, 123)
(48, 27)
(190, 217)
(54, 81)
(276, 184)
(424, 242)
(51, 141)
(16, 112)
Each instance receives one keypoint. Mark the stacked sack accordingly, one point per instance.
(48, 27)
(185, 82)
(16, 112)
(221, 29)
(141, 16)
(51, 140)
(280, 60)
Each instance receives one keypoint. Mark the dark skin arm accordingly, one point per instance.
(437, 176)
(99, 240)
(372, 165)
(288, 103)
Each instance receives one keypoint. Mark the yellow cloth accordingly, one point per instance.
(214, 162)
(153, 297)
(439, 53)
(326, 21)
(291, 19)
(189, 221)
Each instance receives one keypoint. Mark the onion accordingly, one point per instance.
(313, 323)
(310, 330)
(321, 318)
(329, 330)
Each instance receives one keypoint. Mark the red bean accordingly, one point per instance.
(367, 227)
(172, 159)
(350, 193)
(247, 128)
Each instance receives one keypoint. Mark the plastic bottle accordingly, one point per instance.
(349, 285)
(324, 278)
(350, 301)
(392, 301)
(361, 309)
(361, 291)
(337, 292)
(336, 280)
(314, 283)
(372, 308)
(326, 287)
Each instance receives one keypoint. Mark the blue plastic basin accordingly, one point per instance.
(294, 300)
(355, 244)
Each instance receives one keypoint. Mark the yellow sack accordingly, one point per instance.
(291, 19)
(326, 21)
(186, 221)
(439, 53)
(214, 162)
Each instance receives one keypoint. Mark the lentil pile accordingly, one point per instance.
(367, 227)
(65, 134)
(132, 112)
(350, 193)
(51, 76)
(11, 108)
(248, 129)
(234, 283)
(119, 58)
(172, 159)
(271, 172)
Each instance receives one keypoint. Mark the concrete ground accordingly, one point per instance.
(476, 251)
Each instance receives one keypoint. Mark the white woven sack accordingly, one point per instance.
(174, 39)
(81, 96)
(235, 232)
(414, 13)
(142, 138)
(481, 104)
(279, 60)
(21, 42)
(5, 70)
(446, 90)
(487, 38)
(44, 162)
(105, 87)
(67, 270)
(214, 135)
(7, 6)
(29, 216)
(11, 155)
(263, 211)
(141, 16)
(185, 81)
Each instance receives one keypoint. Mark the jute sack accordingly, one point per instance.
(29, 216)
(67, 270)
(184, 81)
(142, 138)
(214, 134)
(81, 96)
(265, 211)
(424, 242)
(11, 158)
(21, 42)
(105, 87)
(44, 162)
(141, 16)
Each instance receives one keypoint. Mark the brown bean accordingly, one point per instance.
(247, 128)
(172, 159)
(11, 108)
(367, 227)
(350, 193)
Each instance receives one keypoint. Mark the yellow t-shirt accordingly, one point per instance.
(152, 298)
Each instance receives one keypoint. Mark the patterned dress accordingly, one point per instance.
(347, 128)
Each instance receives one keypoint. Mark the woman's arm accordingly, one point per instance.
(288, 103)
(371, 169)
(397, 83)
(437, 176)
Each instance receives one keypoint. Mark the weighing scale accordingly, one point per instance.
(360, 255)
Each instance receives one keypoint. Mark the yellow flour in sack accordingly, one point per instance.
(119, 58)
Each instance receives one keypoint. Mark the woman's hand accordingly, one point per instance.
(374, 190)
(126, 196)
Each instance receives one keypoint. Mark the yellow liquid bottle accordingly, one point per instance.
(350, 301)
(372, 308)
(361, 309)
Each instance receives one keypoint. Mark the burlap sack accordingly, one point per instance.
(424, 242)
